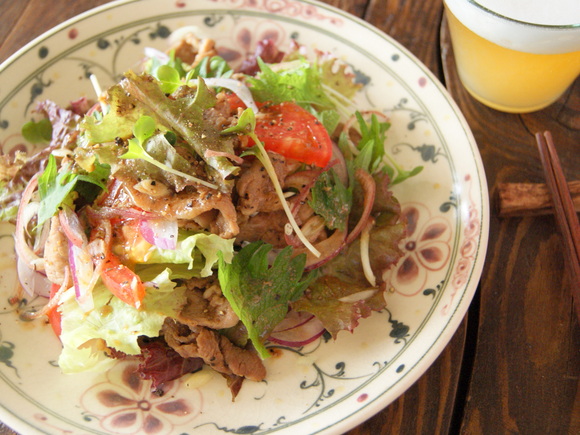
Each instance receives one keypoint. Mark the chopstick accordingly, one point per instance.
(566, 217)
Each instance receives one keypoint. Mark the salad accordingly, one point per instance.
(199, 215)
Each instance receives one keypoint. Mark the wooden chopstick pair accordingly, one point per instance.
(566, 217)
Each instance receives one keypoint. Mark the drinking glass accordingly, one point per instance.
(515, 55)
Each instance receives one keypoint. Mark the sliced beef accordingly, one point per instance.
(215, 349)
(186, 205)
(255, 189)
(56, 252)
(206, 305)
(268, 227)
(190, 49)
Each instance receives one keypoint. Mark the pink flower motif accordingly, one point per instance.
(468, 249)
(244, 37)
(125, 405)
(426, 249)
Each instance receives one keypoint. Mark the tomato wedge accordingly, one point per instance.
(54, 316)
(290, 130)
(118, 278)
(122, 281)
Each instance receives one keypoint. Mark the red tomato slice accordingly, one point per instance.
(235, 102)
(292, 131)
(122, 281)
(55, 316)
(118, 278)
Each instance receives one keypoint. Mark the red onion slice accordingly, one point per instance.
(83, 275)
(112, 212)
(369, 189)
(23, 250)
(339, 164)
(329, 248)
(71, 226)
(159, 232)
(297, 329)
(33, 282)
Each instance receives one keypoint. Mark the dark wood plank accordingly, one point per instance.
(527, 364)
(22, 21)
(11, 11)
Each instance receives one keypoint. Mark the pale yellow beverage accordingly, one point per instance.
(526, 67)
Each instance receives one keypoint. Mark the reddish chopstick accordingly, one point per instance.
(565, 214)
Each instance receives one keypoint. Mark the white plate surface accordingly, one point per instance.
(327, 387)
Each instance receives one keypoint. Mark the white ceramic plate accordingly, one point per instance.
(327, 387)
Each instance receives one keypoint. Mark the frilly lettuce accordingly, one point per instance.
(114, 323)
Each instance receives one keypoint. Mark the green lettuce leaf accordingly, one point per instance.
(37, 132)
(124, 112)
(331, 299)
(115, 322)
(334, 75)
(184, 116)
(198, 251)
(137, 96)
(299, 83)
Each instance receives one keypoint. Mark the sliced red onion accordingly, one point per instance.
(369, 189)
(329, 248)
(159, 232)
(237, 87)
(297, 329)
(71, 226)
(33, 282)
(233, 157)
(83, 275)
(112, 212)
(23, 250)
(53, 301)
(339, 164)
(41, 235)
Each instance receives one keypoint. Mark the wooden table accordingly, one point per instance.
(513, 365)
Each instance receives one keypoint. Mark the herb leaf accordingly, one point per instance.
(169, 78)
(37, 132)
(372, 155)
(259, 293)
(215, 66)
(331, 199)
(372, 142)
(144, 128)
(57, 188)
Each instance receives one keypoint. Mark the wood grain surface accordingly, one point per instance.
(514, 363)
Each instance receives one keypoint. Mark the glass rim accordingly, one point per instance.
(524, 23)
